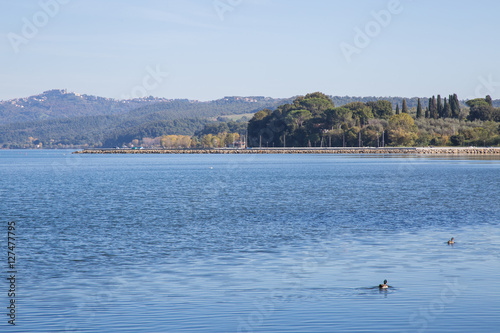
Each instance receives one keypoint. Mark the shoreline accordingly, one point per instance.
(223, 151)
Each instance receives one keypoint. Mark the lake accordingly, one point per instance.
(254, 243)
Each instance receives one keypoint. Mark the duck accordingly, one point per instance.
(451, 241)
(383, 286)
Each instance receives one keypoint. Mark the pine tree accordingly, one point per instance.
(405, 107)
(397, 108)
(419, 109)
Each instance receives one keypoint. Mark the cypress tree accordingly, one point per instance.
(426, 112)
(433, 108)
(419, 109)
(457, 105)
(397, 108)
(489, 100)
(439, 107)
(452, 107)
(405, 107)
(446, 109)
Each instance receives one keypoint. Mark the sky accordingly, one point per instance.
(209, 49)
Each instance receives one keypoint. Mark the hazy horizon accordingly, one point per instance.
(234, 96)
(206, 50)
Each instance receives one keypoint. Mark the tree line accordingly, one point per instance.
(314, 121)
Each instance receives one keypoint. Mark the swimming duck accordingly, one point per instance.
(383, 286)
(451, 241)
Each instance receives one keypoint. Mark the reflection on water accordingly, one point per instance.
(253, 243)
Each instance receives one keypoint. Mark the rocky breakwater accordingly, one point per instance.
(401, 151)
(459, 151)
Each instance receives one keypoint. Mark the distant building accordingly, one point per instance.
(239, 145)
(56, 92)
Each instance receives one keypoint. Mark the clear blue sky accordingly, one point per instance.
(276, 48)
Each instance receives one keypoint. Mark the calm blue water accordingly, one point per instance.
(251, 243)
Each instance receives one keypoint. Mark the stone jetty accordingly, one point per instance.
(400, 151)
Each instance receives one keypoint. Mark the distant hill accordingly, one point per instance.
(60, 104)
(108, 131)
(59, 118)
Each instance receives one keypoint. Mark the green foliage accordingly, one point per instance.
(296, 118)
(154, 129)
(221, 127)
(293, 124)
(316, 103)
(482, 109)
(59, 104)
(455, 106)
(60, 119)
(358, 123)
(405, 107)
(338, 116)
(175, 141)
(433, 108)
(478, 102)
(439, 107)
(381, 109)
(106, 131)
(446, 109)
(313, 120)
(456, 132)
(120, 121)
(489, 100)
(360, 111)
(402, 130)
(419, 109)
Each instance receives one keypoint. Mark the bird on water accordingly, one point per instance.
(451, 241)
(383, 286)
